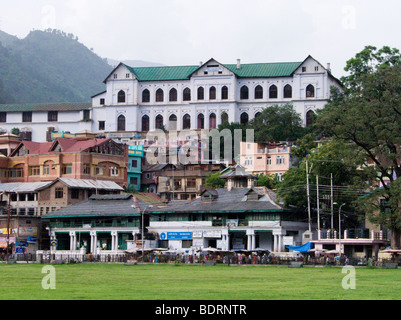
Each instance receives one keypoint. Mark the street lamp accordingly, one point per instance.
(143, 227)
(339, 225)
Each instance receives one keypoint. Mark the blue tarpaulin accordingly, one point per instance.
(303, 249)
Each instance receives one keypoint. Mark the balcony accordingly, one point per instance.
(353, 234)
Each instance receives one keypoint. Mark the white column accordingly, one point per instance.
(252, 241)
(93, 242)
(114, 240)
(72, 241)
(280, 243)
(249, 244)
(275, 243)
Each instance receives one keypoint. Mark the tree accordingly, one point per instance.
(213, 180)
(267, 180)
(277, 123)
(368, 116)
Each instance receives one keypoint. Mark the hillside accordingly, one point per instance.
(134, 63)
(49, 66)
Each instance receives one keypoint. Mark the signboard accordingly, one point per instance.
(20, 249)
(53, 243)
(197, 234)
(232, 222)
(28, 231)
(212, 233)
(238, 243)
(176, 236)
(288, 241)
(21, 244)
(31, 239)
(4, 239)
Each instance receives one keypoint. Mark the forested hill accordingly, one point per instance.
(49, 67)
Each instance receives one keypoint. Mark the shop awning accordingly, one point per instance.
(303, 249)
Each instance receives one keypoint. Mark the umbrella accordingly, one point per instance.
(317, 250)
(209, 250)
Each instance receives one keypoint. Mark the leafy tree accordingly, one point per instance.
(368, 116)
(277, 123)
(213, 180)
(267, 180)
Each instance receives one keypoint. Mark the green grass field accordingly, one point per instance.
(196, 282)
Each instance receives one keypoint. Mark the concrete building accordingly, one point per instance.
(266, 158)
(74, 158)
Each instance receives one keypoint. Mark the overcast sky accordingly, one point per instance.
(185, 32)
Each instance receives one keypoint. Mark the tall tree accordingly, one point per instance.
(368, 115)
(277, 123)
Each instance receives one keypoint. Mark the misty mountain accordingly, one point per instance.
(49, 67)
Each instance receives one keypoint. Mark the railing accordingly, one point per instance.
(352, 234)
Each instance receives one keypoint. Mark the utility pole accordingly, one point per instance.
(308, 194)
(332, 201)
(318, 205)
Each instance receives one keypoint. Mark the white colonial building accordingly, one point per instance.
(143, 99)
(203, 96)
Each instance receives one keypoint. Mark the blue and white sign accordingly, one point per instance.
(176, 236)
(31, 239)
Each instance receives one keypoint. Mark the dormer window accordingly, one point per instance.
(115, 76)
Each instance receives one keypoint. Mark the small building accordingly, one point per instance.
(75, 158)
(102, 224)
(266, 158)
(184, 182)
(134, 169)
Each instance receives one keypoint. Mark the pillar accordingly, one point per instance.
(73, 243)
(93, 242)
(114, 240)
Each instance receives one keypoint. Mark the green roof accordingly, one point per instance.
(264, 70)
(45, 107)
(163, 73)
(254, 70)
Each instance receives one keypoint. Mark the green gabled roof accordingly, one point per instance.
(254, 70)
(163, 73)
(264, 70)
(45, 107)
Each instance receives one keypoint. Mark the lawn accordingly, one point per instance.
(196, 282)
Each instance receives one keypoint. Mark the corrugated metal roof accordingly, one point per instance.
(45, 107)
(23, 187)
(91, 184)
(254, 70)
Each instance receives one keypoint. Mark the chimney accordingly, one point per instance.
(328, 67)
(238, 63)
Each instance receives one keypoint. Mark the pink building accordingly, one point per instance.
(266, 158)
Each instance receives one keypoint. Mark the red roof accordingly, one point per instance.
(66, 144)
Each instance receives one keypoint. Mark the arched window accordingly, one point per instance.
(201, 121)
(159, 122)
(257, 114)
(224, 93)
(121, 123)
(273, 92)
(145, 123)
(172, 122)
(310, 91)
(212, 121)
(287, 91)
(173, 95)
(121, 96)
(258, 92)
(310, 117)
(212, 93)
(201, 93)
(244, 93)
(145, 95)
(159, 95)
(187, 94)
(244, 118)
(224, 117)
(186, 122)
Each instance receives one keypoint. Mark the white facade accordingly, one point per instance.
(107, 109)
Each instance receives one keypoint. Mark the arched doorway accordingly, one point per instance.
(121, 123)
